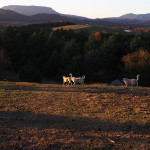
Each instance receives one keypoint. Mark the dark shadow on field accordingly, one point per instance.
(77, 89)
(20, 120)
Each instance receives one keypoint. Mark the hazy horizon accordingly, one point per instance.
(87, 8)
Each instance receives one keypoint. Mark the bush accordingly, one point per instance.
(138, 63)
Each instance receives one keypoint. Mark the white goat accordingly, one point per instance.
(81, 80)
(76, 80)
(131, 82)
(66, 80)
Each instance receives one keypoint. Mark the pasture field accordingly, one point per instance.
(73, 27)
(89, 117)
(88, 28)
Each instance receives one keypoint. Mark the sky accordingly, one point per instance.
(88, 8)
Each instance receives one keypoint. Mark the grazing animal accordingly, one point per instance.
(76, 80)
(81, 80)
(66, 80)
(131, 82)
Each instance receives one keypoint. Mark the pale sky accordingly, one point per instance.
(88, 8)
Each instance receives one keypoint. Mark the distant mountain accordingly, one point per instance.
(9, 15)
(128, 22)
(135, 16)
(128, 16)
(34, 10)
(49, 18)
(30, 10)
(37, 14)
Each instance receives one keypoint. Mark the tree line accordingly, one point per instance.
(39, 52)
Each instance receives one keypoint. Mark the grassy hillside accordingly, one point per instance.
(49, 116)
(88, 28)
(73, 27)
(101, 29)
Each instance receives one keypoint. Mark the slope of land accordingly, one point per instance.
(49, 116)
(38, 14)
(89, 28)
(34, 10)
(9, 15)
(71, 27)
(136, 16)
(30, 10)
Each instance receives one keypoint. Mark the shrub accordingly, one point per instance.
(138, 63)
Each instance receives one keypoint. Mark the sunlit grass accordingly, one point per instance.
(73, 27)
(94, 116)
(88, 28)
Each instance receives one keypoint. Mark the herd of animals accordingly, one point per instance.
(80, 80)
(73, 80)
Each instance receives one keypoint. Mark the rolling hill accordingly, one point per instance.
(30, 10)
(38, 14)
(9, 15)
(34, 10)
(136, 17)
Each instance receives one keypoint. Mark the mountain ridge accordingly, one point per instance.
(9, 15)
(34, 10)
(30, 10)
(136, 16)
(5, 15)
(42, 16)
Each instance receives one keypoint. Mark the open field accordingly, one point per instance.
(73, 27)
(88, 28)
(146, 29)
(98, 28)
(95, 116)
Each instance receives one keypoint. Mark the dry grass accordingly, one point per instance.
(73, 27)
(88, 28)
(48, 116)
(146, 29)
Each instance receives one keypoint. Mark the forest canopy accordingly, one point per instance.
(36, 52)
